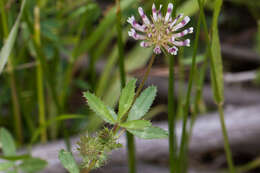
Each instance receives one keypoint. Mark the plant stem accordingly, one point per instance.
(139, 89)
(198, 96)
(249, 166)
(226, 141)
(40, 87)
(171, 108)
(218, 93)
(120, 45)
(12, 81)
(171, 117)
(187, 100)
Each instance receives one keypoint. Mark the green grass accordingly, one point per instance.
(44, 47)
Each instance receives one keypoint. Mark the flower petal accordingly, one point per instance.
(182, 43)
(175, 20)
(143, 16)
(145, 44)
(159, 12)
(182, 23)
(183, 33)
(155, 17)
(157, 50)
(132, 33)
(173, 50)
(169, 12)
(135, 25)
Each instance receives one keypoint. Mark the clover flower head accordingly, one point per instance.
(160, 32)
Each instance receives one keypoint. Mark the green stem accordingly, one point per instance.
(184, 140)
(120, 45)
(198, 96)
(171, 108)
(12, 81)
(116, 127)
(249, 166)
(226, 141)
(40, 54)
(139, 89)
(218, 93)
(40, 87)
(181, 87)
(171, 117)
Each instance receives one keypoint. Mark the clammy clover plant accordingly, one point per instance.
(161, 33)
(131, 110)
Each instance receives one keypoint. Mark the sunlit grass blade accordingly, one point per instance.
(7, 48)
(40, 86)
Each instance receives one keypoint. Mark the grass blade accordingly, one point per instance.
(9, 44)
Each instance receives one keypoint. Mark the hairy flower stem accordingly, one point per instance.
(132, 166)
(139, 89)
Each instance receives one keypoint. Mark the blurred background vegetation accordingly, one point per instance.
(65, 47)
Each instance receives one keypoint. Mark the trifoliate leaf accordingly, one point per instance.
(68, 161)
(136, 124)
(150, 133)
(126, 98)
(8, 144)
(142, 104)
(100, 108)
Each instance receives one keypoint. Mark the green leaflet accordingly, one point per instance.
(136, 124)
(150, 133)
(142, 104)
(68, 161)
(7, 48)
(32, 165)
(126, 98)
(100, 108)
(216, 64)
(8, 145)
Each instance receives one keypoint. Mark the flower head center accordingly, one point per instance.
(158, 33)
